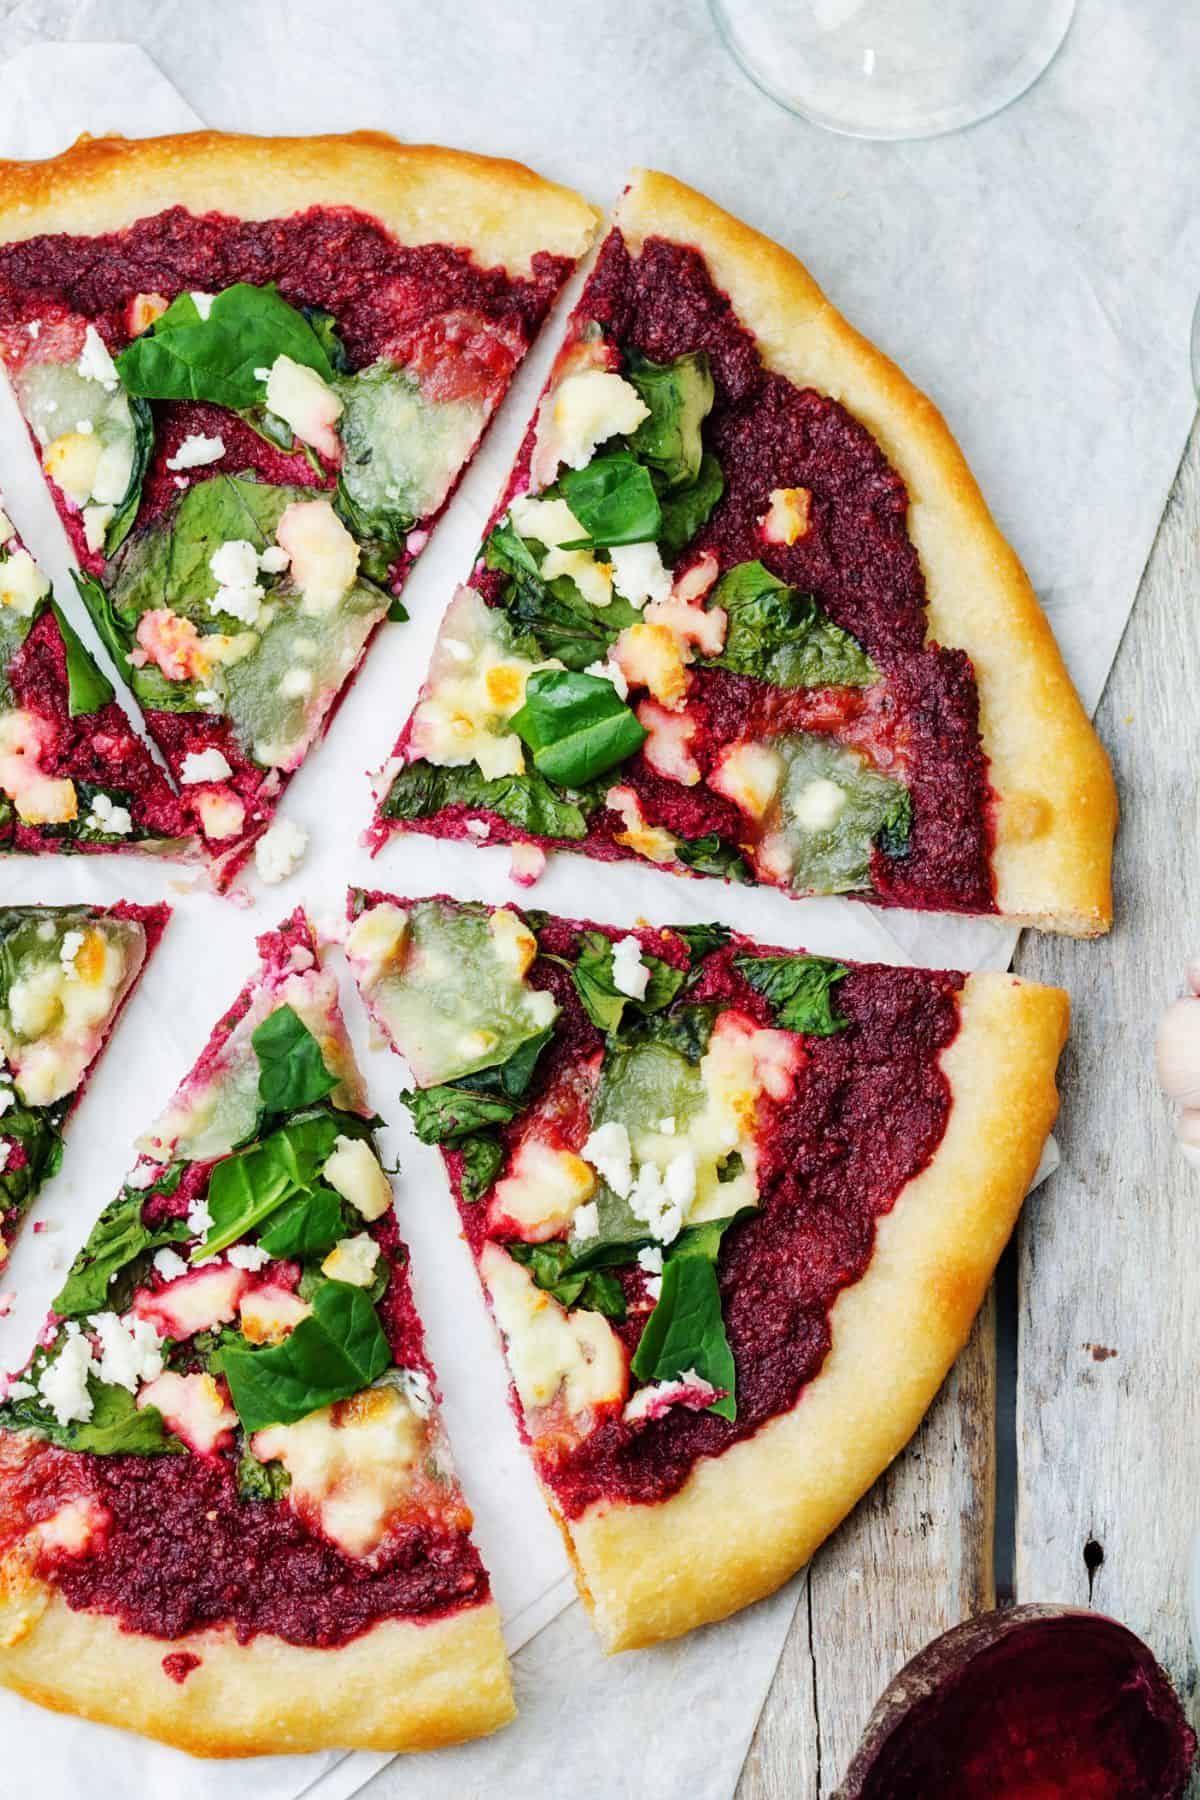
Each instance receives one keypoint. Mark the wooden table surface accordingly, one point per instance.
(1103, 1280)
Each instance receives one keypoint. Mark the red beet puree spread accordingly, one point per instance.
(856, 558)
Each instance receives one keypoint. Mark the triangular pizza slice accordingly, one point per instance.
(254, 370)
(743, 612)
(65, 974)
(734, 1208)
(228, 1515)
(74, 775)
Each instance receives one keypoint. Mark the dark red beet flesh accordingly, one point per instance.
(1038, 1703)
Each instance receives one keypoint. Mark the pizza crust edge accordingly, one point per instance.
(500, 210)
(1056, 807)
(746, 1521)
(405, 1684)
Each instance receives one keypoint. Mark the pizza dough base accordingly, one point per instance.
(501, 211)
(746, 1521)
(1056, 808)
(403, 1685)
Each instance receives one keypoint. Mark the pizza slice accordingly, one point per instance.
(743, 612)
(74, 775)
(228, 1515)
(254, 370)
(65, 974)
(734, 1208)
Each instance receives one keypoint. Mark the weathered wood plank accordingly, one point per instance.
(914, 1558)
(1108, 1395)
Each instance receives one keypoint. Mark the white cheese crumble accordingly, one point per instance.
(279, 851)
(95, 364)
(68, 950)
(630, 974)
(197, 450)
(638, 573)
(585, 1222)
(199, 1218)
(129, 1351)
(609, 1152)
(202, 303)
(650, 1260)
(352, 1260)
(479, 829)
(34, 328)
(235, 568)
(204, 765)
(63, 1382)
(610, 671)
(274, 559)
(168, 1263)
(251, 1257)
(105, 815)
(297, 395)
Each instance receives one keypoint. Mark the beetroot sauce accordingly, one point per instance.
(867, 1113)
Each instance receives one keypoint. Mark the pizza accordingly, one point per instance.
(65, 974)
(74, 775)
(734, 1209)
(743, 613)
(253, 370)
(228, 1514)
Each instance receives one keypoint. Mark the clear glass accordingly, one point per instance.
(894, 68)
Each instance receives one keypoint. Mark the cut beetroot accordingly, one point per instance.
(1034, 1703)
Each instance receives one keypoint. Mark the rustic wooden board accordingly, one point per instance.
(1109, 1373)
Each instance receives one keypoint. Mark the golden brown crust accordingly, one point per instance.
(1056, 805)
(403, 1685)
(745, 1522)
(501, 211)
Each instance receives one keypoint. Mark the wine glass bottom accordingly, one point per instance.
(893, 68)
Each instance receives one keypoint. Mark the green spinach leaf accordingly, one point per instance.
(117, 1239)
(552, 618)
(782, 636)
(422, 789)
(614, 500)
(687, 1332)
(798, 989)
(38, 1130)
(187, 356)
(576, 725)
(249, 1186)
(603, 1001)
(592, 1290)
(291, 1068)
(87, 689)
(702, 940)
(713, 855)
(482, 1160)
(122, 521)
(443, 1114)
(308, 1225)
(336, 1351)
(117, 1426)
(260, 1481)
(680, 397)
(113, 634)
(685, 509)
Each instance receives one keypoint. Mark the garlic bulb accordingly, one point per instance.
(1177, 1050)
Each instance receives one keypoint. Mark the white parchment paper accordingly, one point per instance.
(1035, 274)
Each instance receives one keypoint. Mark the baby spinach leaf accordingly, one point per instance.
(397, 612)
(87, 689)
(117, 1238)
(553, 616)
(702, 940)
(686, 1028)
(893, 834)
(859, 810)
(440, 1115)
(308, 1224)
(336, 1351)
(260, 1481)
(184, 356)
(422, 789)
(550, 1266)
(114, 635)
(482, 1159)
(324, 328)
(685, 509)
(798, 989)
(686, 1331)
(576, 725)
(603, 1001)
(247, 1187)
(680, 397)
(782, 636)
(713, 855)
(38, 1130)
(614, 500)
(291, 1069)
(122, 521)
(117, 1427)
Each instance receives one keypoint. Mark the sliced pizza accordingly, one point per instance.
(65, 974)
(74, 775)
(734, 1208)
(254, 370)
(743, 612)
(228, 1515)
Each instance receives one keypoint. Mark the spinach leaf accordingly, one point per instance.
(117, 1239)
(115, 637)
(603, 1001)
(552, 616)
(38, 1130)
(397, 612)
(685, 509)
(686, 1331)
(442, 1114)
(249, 1186)
(713, 855)
(798, 989)
(260, 1481)
(122, 521)
(782, 636)
(857, 810)
(308, 1224)
(116, 1428)
(336, 1351)
(422, 789)
(593, 1290)
(576, 725)
(614, 500)
(685, 1028)
(702, 940)
(324, 328)
(87, 689)
(184, 356)
(893, 834)
(291, 1068)
(482, 1159)
(680, 397)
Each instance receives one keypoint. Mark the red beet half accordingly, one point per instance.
(1033, 1703)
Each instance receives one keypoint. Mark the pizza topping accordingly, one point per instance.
(688, 1389)
(39, 799)
(353, 1260)
(66, 973)
(197, 450)
(299, 396)
(787, 517)
(543, 1191)
(554, 1355)
(280, 850)
(268, 1314)
(402, 447)
(22, 585)
(650, 841)
(194, 1408)
(322, 554)
(129, 1352)
(95, 442)
(196, 1302)
(63, 1383)
(476, 685)
(582, 412)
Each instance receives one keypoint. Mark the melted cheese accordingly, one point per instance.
(195, 1302)
(353, 1171)
(352, 1464)
(748, 774)
(514, 943)
(653, 842)
(579, 415)
(541, 1190)
(324, 556)
(552, 1354)
(22, 584)
(353, 1260)
(194, 1408)
(222, 814)
(70, 1530)
(651, 656)
(297, 395)
(668, 742)
(40, 799)
(375, 940)
(59, 1011)
(269, 1314)
(787, 517)
(476, 683)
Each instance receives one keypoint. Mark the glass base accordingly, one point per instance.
(893, 68)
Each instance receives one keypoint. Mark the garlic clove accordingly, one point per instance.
(1177, 1051)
